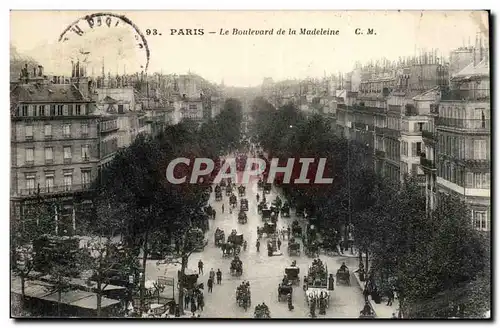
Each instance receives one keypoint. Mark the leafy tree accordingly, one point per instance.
(36, 221)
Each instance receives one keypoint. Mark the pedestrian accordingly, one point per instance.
(212, 274)
(288, 232)
(201, 301)
(187, 298)
(257, 245)
(222, 208)
(193, 305)
(219, 276)
(200, 267)
(279, 243)
(366, 293)
(210, 285)
(390, 297)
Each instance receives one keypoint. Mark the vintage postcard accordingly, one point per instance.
(250, 164)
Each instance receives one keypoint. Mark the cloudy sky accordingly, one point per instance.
(239, 60)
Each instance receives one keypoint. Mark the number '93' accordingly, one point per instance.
(152, 32)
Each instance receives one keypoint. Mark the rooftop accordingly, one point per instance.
(49, 93)
(481, 69)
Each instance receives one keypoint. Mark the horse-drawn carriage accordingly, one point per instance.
(283, 291)
(268, 228)
(241, 190)
(262, 206)
(260, 184)
(274, 208)
(233, 244)
(266, 215)
(267, 187)
(343, 276)
(292, 274)
(218, 195)
(244, 204)
(242, 217)
(229, 190)
(316, 286)
(243, 296)
(233, 201)
(236, 267)
(190, 280)
(262, 312)
(197, 238)
(312, 249)
(210, 211)
(285, 210)
(219, 236)
(222, 183)
(294, 248)
(278, 202)
(296, 228)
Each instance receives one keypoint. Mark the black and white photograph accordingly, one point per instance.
(279, 164)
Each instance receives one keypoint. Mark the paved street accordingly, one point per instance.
(264, 273)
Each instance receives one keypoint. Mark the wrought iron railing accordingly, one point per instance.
(54, 189)
(471, 124)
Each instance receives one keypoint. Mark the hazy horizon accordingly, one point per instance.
(243, 61)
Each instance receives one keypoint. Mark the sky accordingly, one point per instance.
(239, 60)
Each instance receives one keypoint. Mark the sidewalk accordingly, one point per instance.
(381, 310)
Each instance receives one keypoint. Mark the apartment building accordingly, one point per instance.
(464, 141)
(54, 145)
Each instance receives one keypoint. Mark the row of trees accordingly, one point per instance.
(135, 201)
(437, 262)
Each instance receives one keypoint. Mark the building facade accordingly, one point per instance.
(54, 145)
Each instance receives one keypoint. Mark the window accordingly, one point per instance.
(120, 109)
(480, 220)
(49, 154)
(25, 110)
(30, 155)
(413, 149)
(480, 151)
(67, 130)
(41, 110)
(60, 110)
(49, 183)
(67, 153)
(85, 129)
(85, 178)
(85, 152)
(193, 106)
(31, 109)
(68, 181)
(48, 131)
(78, 110)
(30, 183)
(52, 110)
(29, 132)
(419, 148)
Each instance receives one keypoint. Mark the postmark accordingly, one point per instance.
(102, 27)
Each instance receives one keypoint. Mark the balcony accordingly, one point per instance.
(55, 190)
(380, 153)
(429, 135)
(379, 130)
(391, 133)
(427, 164)
(369, 109)
(466, 95)
(466, 124)
(108, 126)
